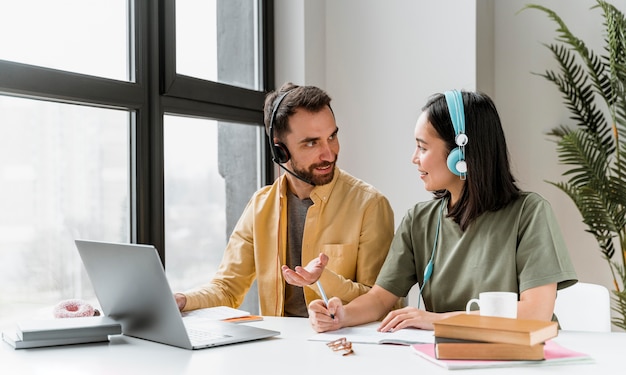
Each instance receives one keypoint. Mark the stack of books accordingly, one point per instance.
(53, 332)
(475, 337)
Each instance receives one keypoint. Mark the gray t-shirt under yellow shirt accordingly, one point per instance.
(295, 305)
(513, 249)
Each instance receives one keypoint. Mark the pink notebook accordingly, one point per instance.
(554, 354)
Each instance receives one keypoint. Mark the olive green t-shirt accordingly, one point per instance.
(513, 249)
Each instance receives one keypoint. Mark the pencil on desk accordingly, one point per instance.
(319, 285)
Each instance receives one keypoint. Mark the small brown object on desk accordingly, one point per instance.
(244, 319)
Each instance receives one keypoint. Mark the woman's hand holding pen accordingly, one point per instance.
(319, 314)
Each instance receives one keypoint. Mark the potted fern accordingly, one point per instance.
(593, 87)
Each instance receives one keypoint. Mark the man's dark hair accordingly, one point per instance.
(310, 98)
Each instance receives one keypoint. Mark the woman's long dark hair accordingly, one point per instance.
(490, 184)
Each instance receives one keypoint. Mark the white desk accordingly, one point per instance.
(290, 352)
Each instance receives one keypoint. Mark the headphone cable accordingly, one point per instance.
(428, 271)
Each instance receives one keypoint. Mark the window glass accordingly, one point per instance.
(217, 40)
(65, 169)
(88, 37)
(64, 173)
(211, 171)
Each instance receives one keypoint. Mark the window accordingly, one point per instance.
(64, 172)
(87, 37)
(211, 170)
(228, 49)
(101, 139)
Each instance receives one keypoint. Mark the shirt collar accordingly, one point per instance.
(319, 193)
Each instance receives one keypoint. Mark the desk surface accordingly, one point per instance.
(290, 351)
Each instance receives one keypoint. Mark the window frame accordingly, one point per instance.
(156, 90)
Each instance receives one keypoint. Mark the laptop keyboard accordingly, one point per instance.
(198, 335)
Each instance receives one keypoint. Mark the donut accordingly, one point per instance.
(73, 308)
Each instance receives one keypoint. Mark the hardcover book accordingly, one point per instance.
(446, 348)
(496, 329)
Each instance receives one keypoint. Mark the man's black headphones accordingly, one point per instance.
(280, 154)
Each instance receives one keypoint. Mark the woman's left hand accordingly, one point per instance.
(412, 317)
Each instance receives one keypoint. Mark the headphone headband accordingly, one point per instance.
(454, 99)
(275, 108)
(456, 158)
(280, 155)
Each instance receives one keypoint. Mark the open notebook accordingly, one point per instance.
(131, 286)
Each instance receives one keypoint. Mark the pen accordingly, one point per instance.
(319, 285)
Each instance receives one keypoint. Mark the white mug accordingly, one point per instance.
(502, 304)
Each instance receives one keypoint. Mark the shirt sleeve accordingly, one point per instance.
(236, 271)
(542, 256)
(398, 273)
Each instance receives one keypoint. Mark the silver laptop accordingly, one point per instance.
(131, 286)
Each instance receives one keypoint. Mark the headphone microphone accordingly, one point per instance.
(456, 158)
(280, 153)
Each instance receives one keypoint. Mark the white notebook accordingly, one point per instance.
(12, 338)
(66, 328)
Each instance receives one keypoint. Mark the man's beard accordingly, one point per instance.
(309, 174)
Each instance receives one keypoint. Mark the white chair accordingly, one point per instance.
(584, 307)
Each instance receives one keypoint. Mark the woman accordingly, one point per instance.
(479, 233)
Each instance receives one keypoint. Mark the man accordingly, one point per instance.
(315, 215)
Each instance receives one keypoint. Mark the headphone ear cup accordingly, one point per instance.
(456, 164)
(281, 154)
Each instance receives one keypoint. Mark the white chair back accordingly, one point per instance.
(584, 307)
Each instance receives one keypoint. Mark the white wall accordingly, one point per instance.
(380, 60)
(530, 105)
